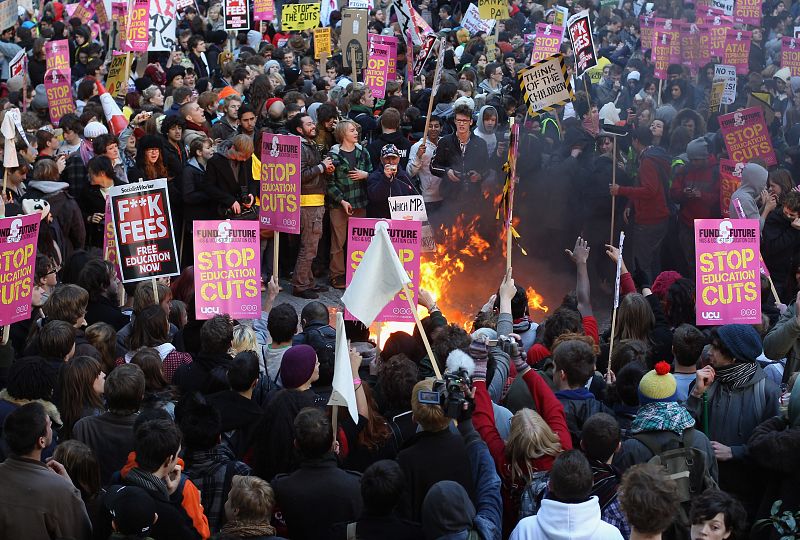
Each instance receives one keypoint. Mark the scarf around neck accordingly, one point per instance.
(662, 416)
(736, 375)
(241, 529)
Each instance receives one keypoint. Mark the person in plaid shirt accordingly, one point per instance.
(347, 192)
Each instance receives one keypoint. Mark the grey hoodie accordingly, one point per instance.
(754, 181)
(480, 130)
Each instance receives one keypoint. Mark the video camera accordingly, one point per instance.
(450, 394)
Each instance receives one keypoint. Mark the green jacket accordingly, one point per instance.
(340, 187)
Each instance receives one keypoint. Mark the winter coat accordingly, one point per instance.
(748, 194)
(64, 208)
(579, 405)
(340, 186)
(222, 186)
(704, 179)
(333, 493)
(92, 201)
(783, 340)
(240, 418)
(634, 452)
(779, 243)
(110, 436)
(35, 503)
(448, 155)
(363, 116)
(648, 197)
(206, 374)
(102, 309)
(380, 187)
(197, 205)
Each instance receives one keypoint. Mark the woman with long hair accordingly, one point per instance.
(104, 338)
(373, 442)
(536, 437)
(102, 178)
(151, 329)
(150, 158)
(158, 393)
(82, 386)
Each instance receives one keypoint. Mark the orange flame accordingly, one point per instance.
(535, 301)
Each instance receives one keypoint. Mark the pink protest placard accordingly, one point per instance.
(391, 41)
(56, 54)
(280, 183)
(137, 31)
(730, 178)
(703, 53)
(263, 10)
(718, 26)
(646, 26)
(737, 50)
(406, 239)
(746, 136)
(660, 53)
(377, 71)
(227, 269)
(59, 93)
(728, 283)
(673, 28)
(790, 54)
(84, 10)
(547, 41)
(18, 237)
(747, 12)
(118, 14)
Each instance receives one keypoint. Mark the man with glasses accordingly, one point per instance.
(461, 158)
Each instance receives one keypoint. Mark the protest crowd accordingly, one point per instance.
(172, 169)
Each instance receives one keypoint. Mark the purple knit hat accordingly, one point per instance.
(298, 365)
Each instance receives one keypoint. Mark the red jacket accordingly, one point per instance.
(551, 410)
(648, 197)
(705, 180)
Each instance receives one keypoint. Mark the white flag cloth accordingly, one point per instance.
(9, 132)
(437, 76)
(344, 393)
(619, 269)
(378, 278)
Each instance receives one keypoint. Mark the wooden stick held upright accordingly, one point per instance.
(511, 181)
(352, 56)
(276, 242)
(430, 105)
(614, 197)
(155, 290)
(422, 331)
(335, 421)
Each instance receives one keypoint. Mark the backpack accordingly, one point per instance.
(532, 495)
(684, 464)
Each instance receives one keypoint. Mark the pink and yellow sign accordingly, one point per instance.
(59, 94)
(746, 136)
(18, 237)
(56, 54)
(737, 50)
(391, 41)
(547, 41)
(137, 37)
(747, 12)
(280, 183)
(790, 54)
(263, 10)
(377, 71)
(227, 269)
(406, 237)
(730, 177)
(728, 282)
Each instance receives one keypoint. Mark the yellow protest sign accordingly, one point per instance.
(491, 45)
(117, 80)
(493, 9)
(322, 42)
(299, 17)
(717, 89)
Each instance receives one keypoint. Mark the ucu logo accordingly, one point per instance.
(209, 310)
(710, 315)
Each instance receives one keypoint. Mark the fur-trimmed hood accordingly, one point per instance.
(52, 410)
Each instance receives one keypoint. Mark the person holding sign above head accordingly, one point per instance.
(347, 192)
(313, 171)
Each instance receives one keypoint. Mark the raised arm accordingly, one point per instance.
(483, 417)
(580, 255)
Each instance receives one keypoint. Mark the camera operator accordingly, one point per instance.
(461, 158)
(229, 178)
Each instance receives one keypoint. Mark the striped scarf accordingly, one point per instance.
(736, 375)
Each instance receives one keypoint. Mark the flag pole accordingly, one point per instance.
(422, 331)
(155, 291)
(335, 421)
(616, 301)
(430, 101)
(613, 183)
(275, 250)
(352, 57)
(511, 181)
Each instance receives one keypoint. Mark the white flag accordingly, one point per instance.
(437, 76)
(9, 131)
(344, 394)
(619, 269)
(378, 278)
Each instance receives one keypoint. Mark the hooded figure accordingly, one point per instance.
(487, 133)
(754, 181)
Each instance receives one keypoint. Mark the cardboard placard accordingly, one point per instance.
(263, 10)
(790, 54)
(737, 50)
(354, 38)
(546, 85)
(296, 17)
(57, 85)
(163, 24)
(746, 136)
(117, 80)
(377, 70)
(18, 238)
(227, 269)
(579, 28)
(322, 42)
(730, 178)
(237, 15)
(406, 238)
(547, 41)
(493, 9)
(143, 229)
(728, 280)
(474, 23)
(56, 54)
(280, 183)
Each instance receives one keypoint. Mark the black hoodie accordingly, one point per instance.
(396, 138)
